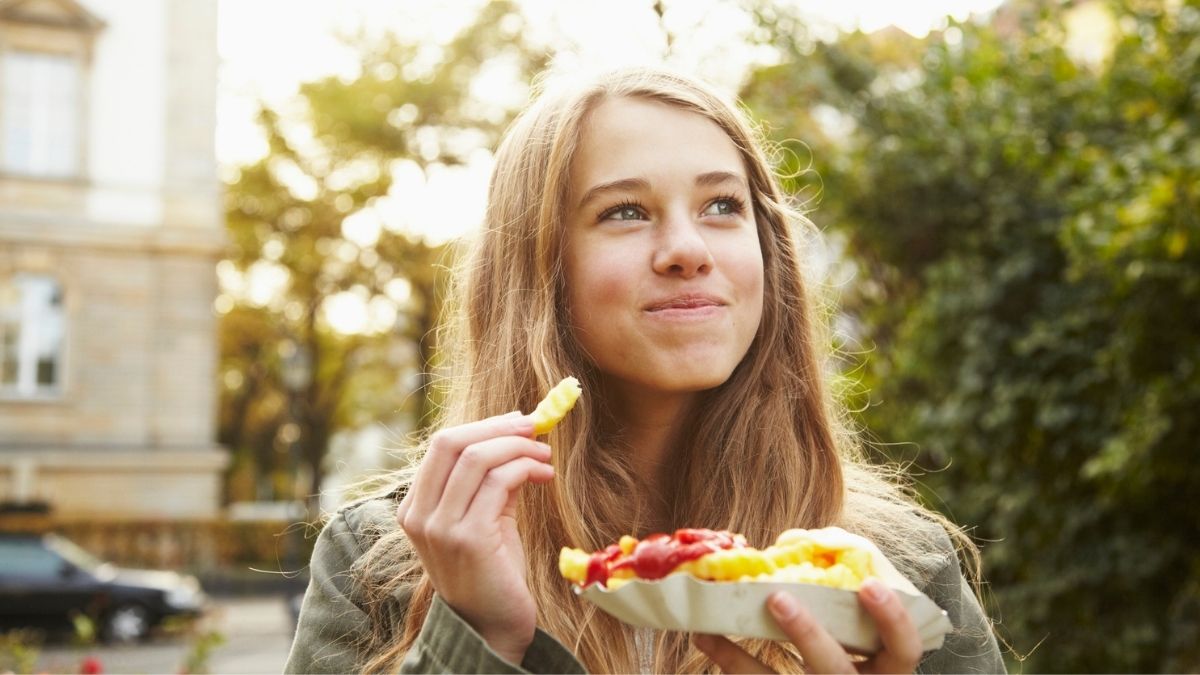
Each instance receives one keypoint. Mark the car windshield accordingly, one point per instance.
(73, 554)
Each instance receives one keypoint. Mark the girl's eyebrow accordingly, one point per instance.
(718, 177)
(622, 185)
(633, 184)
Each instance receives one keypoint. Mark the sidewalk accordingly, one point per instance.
(257, 632)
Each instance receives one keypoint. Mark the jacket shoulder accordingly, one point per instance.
(366, 520)
(926, 553)
(332, 618)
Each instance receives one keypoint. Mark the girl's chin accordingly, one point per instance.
(686, 381)
(672, 374)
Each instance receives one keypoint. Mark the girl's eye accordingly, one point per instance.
(725, 206)
(623, 212)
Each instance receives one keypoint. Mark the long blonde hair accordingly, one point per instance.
(767, 450)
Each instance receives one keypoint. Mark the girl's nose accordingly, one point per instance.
(682, 250)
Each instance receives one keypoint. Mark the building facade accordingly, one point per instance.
(110, 228)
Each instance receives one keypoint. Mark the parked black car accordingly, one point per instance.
(45, 579)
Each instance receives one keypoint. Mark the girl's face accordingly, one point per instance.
(663, 266)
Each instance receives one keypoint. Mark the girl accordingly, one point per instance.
(636, 238)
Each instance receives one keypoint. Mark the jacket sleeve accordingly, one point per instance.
(447, 644)
(971, 647)
(329, 622)
(332, 624)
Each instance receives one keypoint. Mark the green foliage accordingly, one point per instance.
(19, 650)
(1027, 231)
(200, 650)
(83, 632)
(291, 379)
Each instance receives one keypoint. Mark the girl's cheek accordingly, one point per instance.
(606, 277)
(742, 263)
(609, 289)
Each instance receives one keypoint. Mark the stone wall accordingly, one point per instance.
(140, 358)
(134, 241)
(133, 432)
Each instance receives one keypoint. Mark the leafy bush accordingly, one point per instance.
(1027, 227)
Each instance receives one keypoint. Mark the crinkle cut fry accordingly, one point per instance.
(558, 402)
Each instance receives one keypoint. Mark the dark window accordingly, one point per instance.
(27, 559)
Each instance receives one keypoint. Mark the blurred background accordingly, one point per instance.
(225, 226)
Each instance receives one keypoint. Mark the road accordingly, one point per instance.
(257, 634)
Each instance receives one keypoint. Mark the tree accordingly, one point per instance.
(1026, 226)
(304, 217)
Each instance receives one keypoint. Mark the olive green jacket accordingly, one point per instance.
(332, 620)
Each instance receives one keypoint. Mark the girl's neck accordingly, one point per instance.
(650, 424)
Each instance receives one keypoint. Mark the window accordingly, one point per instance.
(31, 336)
(41, 113)
(27, 559)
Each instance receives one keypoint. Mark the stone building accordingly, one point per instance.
(110, 227)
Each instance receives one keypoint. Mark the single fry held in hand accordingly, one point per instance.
(556, 405)
(826, 557)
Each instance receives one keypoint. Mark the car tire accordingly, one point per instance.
(126, 623)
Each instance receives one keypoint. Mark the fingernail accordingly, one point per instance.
(876, 592)
(543, 446)
(782, 605)
(510, 414)
(703, 642)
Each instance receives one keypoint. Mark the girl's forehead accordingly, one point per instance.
(632, 117)
(639, 138)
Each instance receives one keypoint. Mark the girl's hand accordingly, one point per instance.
(822, 654)
(459, 514)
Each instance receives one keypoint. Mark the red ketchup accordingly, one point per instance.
(658, 555)
(597, 569)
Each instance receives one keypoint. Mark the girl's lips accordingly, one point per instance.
(685, 302)
(686, 307)
(688, 312)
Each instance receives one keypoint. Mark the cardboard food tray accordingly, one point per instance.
(685, 603)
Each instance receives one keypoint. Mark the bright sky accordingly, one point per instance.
(267, 47)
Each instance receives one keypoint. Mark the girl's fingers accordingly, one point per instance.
(727, 655)
(473, 466)
(444, 448)
(498, 485)
(822, 654)
(901, 643)
(405, 503)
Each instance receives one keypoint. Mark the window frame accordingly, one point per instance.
(70, 32)
(57, 390)
(41, 162)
